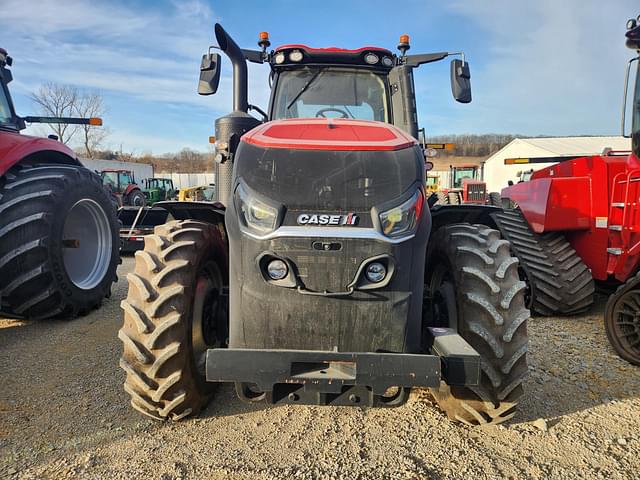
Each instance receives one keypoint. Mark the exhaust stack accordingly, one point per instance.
(231, 127)
(231, 48)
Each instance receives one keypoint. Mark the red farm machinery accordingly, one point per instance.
(322, 274)
(579, 221)
(59, 245)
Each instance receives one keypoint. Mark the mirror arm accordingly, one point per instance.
(422, 58)
(260, 111)
(255, 56)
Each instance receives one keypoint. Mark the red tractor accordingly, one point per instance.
(579, 221)
(59, 245)
(321, 275)
(124, 188)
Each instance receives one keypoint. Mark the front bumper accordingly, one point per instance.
(343, 378)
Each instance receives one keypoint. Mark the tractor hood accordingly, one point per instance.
(328, 134)
(328, 165)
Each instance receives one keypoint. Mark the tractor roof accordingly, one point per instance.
(370, 57)
(328, 134)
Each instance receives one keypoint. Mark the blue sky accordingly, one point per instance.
(538, 67)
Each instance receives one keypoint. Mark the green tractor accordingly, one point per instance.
(159, 190)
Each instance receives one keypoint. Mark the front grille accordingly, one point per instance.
(476, 192)
(330, 270)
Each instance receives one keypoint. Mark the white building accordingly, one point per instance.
(497, 174)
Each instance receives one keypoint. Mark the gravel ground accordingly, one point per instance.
(63, 413)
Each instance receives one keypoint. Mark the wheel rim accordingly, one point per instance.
(626, 323)
(138, 200)
(87, 244)
(206, 331)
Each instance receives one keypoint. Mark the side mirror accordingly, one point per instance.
(460, 81)
(209, 74)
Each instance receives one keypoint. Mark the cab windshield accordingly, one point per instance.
(6, 118)
(331, 92)
(464, 173)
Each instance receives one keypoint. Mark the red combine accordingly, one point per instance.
(58, 228)
(579, 220)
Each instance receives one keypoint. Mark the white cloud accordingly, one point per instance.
(553, 67)
(140, 53)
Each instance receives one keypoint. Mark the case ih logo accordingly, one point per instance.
(315, 219)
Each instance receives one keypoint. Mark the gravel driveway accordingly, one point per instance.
(63, 413)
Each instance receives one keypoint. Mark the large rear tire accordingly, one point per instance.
(622, 320)
(175, 310)
(473, 285)
(59, 241)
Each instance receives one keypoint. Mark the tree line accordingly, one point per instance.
(472, 145)
(58, 100)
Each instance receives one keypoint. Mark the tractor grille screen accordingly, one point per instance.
(476, 192)
(329, 180)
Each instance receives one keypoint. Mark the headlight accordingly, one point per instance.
(402, 219)
(255, 213)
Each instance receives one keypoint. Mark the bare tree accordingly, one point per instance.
(91, 105)
(55, 100)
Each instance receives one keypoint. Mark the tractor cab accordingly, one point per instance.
(460, 174)
(633, 41)
(117, 180)
(368, 83)
(158, 190)
(123, 187)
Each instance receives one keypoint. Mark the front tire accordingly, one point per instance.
(175, 310)
(59, 241)
(472, 281)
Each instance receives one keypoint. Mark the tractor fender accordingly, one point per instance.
(203, 211)
(554, 204)
(132, 187)
(466, 213)
(15, 148)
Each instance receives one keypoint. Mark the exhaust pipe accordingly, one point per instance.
(231, 48)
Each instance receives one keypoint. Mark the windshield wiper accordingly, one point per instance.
(304, 88)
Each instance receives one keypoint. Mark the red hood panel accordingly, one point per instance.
(328, 134)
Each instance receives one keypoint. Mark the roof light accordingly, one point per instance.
(279, 58)
(263, 41)
(371, 58)
(387, 61)
(403, 46)
(631, 23)
(295, 56)
(95, 121)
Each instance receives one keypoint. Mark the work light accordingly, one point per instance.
(277, 269)
(376, 272)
